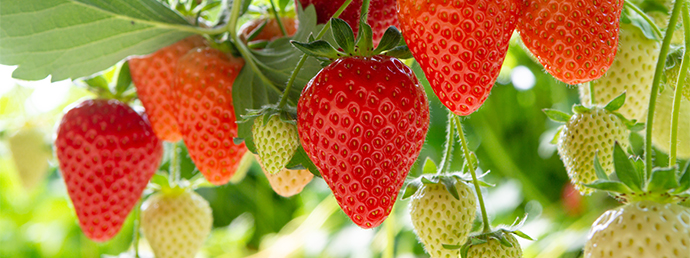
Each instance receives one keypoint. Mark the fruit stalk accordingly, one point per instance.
(679, 88)
(475, 182)
(137, 218)
(174, 165)
(659, 71)
(286, 93)
(365, 11)
(450, 140)
(278, 20)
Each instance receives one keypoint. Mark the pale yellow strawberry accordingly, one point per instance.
(30, 153)
(176, 222)
(494, 249)
(287, 182)
(276, 142)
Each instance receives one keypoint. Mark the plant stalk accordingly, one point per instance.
(450, 141)
(660, 65)
(475, 181)
(280, 22)
(655, 28)
(682, 75)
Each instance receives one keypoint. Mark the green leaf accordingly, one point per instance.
(282, 4)
(319, 48)
(625, 170)
(522, 235)
(391, 38)
(612, 186)
(557, 135)
(616, 103)
(684, 182)
(598, 169)
(301, 161)
(449, 182)
(98, 83)
(557, 116)
(124, 79)
(663, 179)
(342, 32)
(400, 52)
(580, 109)
(429, 166)
(365, 41)
(77, 38)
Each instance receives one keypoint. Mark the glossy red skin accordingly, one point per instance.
(107, 154)
(382, 14)
(460, 45)
(554, 31)
(153, 77)
(363, 121)
(205, 113)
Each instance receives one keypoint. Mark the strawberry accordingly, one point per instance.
(641, 229)
(575, 40)
(107, 154)
(588, 133)
(460, 45)
(382, 14)
(30, 153)
(362, 121)
(672, 75)
(439, 218)
(276, 142)
(153, 77)
(661, 133)
(287, 182)
(493, 248)
(203, 93)
(632, 72)
(270, 30)
(176, 222)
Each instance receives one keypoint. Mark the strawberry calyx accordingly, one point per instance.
(391, 43)
(431, 177)
(613, 106)
(500, 235)
(119, 88)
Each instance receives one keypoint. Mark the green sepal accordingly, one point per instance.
(598, 169)
(663, 179)
(124, 79)
(522, 235)
(429, 166)
(630, 16)
(616, 103)
(319, 48)
(97, 83)
(300, 160)
(411, 189)
(343, 34)
(684, 182)
(400, 52)
(391, 38)
(257, 30)
(580, 109)
(159, 181)
(449, 183)
(557, 135)
(625, 170)
(502, 239)
(636, 127)
(451, 247)
(365, 40)
(557, 116)
(611, 186)
(428, 181)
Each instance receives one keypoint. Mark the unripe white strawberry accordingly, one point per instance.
(641, 229)
(632, 72)
(661, 134)
(590, 132)
(494, 249)
(30, 153)
(176, 222)
(438, 218)
(287, 182)
(276, 142)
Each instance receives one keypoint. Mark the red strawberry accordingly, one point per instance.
(153, 77)
(203, 97)
(575, 40)
(107, 154)
(382, 14)
(460, 45)
(362, 121)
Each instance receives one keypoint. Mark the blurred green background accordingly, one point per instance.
(510, 135)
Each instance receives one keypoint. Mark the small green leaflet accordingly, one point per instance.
(77, 38)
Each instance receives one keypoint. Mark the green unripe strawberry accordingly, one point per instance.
(438, 218)
(276, 142)
(176, 222)
(30, 153)
(661, 133)
(641, 229)
(632, 72)
(494, 249)
(589, 132)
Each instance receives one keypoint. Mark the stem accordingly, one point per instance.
(174, 166)
(137, 218)
(592, 101)
(656, 29)
(682, 75)
(365, 11)
(468, 159)
(286, 93)
(447, 155)
(660, 65)
(390, 236)
(280, 23)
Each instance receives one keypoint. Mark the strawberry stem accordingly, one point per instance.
(679, 88)
(286, 92)
(660, 65)
(280, 23)
(137, 218)
(450, 141)
(174, 165)
(365, 11)
(468, 160)
(592, 101)
(651, 23)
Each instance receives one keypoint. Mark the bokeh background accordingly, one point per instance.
(510, 134)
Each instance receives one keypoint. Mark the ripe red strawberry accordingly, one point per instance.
(153, 77)
(362, 121)
(575, 40)
(382, 14)
(460, 45)
(203, 97)
(107, 154)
